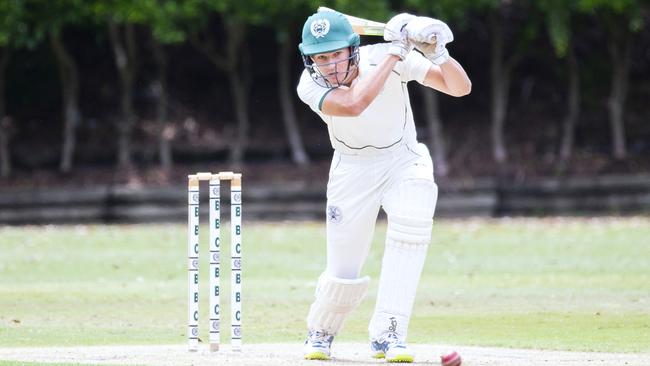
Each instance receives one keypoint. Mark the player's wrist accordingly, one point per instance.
(394, 57)
(439, 57)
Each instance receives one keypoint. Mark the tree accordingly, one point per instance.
(621, 19)
(14, 33)
(70, 88)
(503, 59)
(511, 28)
(447, 11)
(284, 18)
(51, 18)
(236, 17)
(164, 129)
(120, 17)
(5, 124)
(164, 19)
(286, 50)
(559, 14)
(122, 36)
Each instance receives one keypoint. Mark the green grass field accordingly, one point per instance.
(564, 284)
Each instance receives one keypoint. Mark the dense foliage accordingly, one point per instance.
(558, 86)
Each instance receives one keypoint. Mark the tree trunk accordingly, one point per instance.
(240, 97)
(70, 90)
(239, 86)
(621, 55)
(123, 43)
(5, 159)
(235, 63)
(436, 139)
(165, 132)
(500, 78)
(298, 154)
(573, 106)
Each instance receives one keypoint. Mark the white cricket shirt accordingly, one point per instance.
(387, 123)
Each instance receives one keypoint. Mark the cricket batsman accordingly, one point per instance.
(361, 95)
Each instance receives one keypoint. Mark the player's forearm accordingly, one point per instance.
(367, 89)
(455, 78)
(353, 101)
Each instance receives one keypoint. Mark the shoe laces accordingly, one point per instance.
(319, 338)
(391, 339)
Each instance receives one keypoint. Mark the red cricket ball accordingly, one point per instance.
(452, 359)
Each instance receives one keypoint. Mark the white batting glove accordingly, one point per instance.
(424, 29)
(400, 48)
(395, 32)
(430, 36)
(393, 29)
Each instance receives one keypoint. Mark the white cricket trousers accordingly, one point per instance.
(358, 187)
(401, 182)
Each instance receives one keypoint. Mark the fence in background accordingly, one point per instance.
(607, 195)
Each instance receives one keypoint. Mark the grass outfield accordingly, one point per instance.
(562, 284)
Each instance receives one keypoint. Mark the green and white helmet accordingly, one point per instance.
(324, 32)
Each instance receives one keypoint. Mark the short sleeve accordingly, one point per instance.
(311, 93)
(415, 67)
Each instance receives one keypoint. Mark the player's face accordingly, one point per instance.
(334, 65)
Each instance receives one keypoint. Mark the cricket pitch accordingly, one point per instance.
(284, 353)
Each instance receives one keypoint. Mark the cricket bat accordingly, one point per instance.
(361, 26)
(367, 27)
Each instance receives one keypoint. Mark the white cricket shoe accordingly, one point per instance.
(390, 347)
(318, 345)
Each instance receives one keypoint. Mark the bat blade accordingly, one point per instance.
(361, 26)
(368, 30)
(367, 27)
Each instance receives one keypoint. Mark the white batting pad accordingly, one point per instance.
(409, 230)
(400, 274)
(410, 207)
(335, 299)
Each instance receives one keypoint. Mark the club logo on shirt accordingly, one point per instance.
(320, 27)
(333, 214)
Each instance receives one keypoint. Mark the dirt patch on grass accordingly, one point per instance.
(290, 354)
